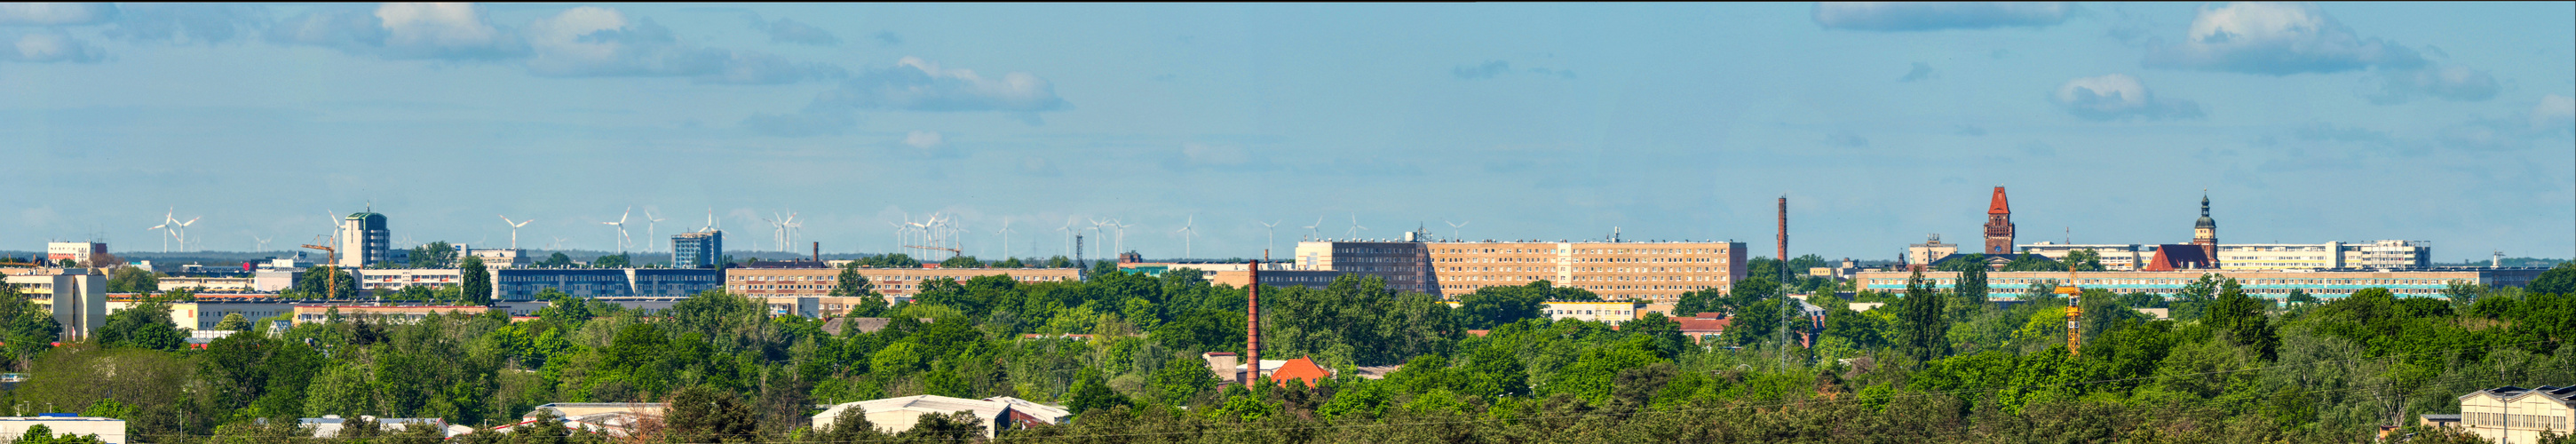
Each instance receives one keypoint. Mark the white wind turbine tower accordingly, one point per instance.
(1273, 229)
(1068, 237)
(514, 229)
(1122, 234)
(621, 229)
(1355, 226)
(790, 227)
(558, 245)
(263, 242)
(183, 232)
(166, 220)
(1006, 237)
(1097, 230)
(649, 219)
(1311, 234)
(1453, 229)
(777, 231)
(1188, 229)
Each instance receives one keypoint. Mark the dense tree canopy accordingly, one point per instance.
(2237, 368)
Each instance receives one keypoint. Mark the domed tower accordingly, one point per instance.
(2205, 232)
(1999, 226)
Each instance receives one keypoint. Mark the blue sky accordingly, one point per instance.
(2447, 122)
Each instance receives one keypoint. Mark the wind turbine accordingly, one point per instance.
(1355, 226)
(649, 219)
(263, 242)
(1311, 234)
(165, 230)
(621, 229)
(1096, 231)
(514, 229)
(1122, 234)
(1453, 229)
(1068, 236)
(1273, 229)
(1188, 229)
(183, 232)
(558, 245)
(1006, 237)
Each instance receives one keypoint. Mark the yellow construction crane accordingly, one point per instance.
(2074, 310)
(334, 254)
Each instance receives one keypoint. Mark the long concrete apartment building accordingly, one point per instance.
(2330, 255)
(2325, 284)
(1652, 271)
(893, 282)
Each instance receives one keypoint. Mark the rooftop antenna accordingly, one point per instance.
(621, 229)
(514, 229)
(1453, 228)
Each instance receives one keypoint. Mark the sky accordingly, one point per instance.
(1881, 123)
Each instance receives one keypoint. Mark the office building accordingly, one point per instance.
(1931, 250)
(1406, 264)
(77, 297)
(703, 249)
(501, 257)
(2276, 284)
(364, 239)
(892, 282)
(78, 252)
(523, 284)
(388, 280)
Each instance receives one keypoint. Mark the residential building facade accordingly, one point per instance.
(1652, 271)
(523, 284)
(892, 282)
(702, 249)
(2325, 284)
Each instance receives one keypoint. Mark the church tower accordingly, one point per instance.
(2205, 232)
(1999, 226)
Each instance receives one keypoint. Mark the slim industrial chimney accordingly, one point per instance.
(1252, 328)
(1784, 232)
(818, 252)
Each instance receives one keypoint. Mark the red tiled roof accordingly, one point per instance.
(2178, 257)
(1300, 368)
(2000, 205)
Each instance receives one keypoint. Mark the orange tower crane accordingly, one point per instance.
(2074, 310)
(334, 254)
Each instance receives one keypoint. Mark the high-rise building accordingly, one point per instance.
(1999, 226)
(364, 240)
(80, 252)
(1617, 270)
(703, 249)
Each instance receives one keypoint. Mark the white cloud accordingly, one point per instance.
(55, 14)
(1929, 16)
(2277, 39)
(2119, 96)
(791, 31)
(51, 47)
(441, 30)
(924, 139)
(591, 41)
(1204, 154)
(914, 84)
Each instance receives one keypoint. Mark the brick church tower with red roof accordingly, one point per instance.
(1999, 226)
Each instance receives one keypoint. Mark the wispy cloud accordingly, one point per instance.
(792, 31)
(55, 14)
(1933, 16)
(1921, 71)
(2120, 97)
(2447, 83)
(50, 47)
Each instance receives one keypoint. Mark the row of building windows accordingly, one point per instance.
(2483, 419)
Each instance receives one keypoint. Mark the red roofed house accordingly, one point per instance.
(1704, 325)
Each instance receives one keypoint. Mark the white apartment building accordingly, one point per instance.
(395, 279)
(2330, 255)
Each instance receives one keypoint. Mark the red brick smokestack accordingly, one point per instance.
(1784, 232)
(1252, 328)
(818, 252)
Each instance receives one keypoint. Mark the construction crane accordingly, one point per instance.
(334, 254)
(2074, 310)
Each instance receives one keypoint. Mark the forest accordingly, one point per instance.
(1930, 366)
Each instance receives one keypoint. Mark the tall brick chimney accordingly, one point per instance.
(1252, 328)
(1784, 233)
